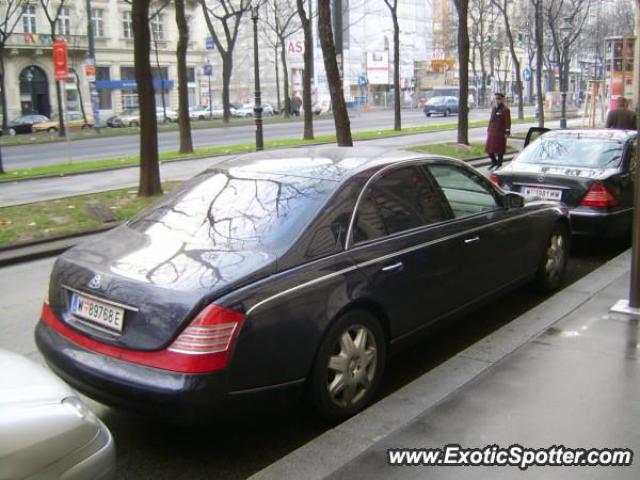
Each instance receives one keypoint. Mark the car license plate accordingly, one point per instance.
(98, 312)
(545, 193)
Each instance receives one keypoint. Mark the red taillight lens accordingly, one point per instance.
(203, 346)
(494, 179)
(599, 197)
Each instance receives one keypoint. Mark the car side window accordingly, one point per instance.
(466, 192)
(399, 200)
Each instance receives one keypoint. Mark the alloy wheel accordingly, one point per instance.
(352, 366)
(556, 256)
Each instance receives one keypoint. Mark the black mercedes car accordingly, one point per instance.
(591, 171)
(288, 271)
(24, 123)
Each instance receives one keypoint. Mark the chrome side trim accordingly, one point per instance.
(300, 287)
(101, 299)
(387, 257)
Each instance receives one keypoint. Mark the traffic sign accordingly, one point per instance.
(526, 74)
(211, 44)
(90, 72)
(60, 64)
(207, 70)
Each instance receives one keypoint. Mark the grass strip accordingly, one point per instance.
(52, 218)
(456, 150)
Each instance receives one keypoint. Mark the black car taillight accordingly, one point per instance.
(599, 197)
(203, 346)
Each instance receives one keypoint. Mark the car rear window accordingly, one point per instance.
(573, 152)
(237, 209)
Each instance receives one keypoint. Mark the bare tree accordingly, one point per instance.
(481, 20)
(52, 13)
(462, 6)
(501, 5)
(227, 14)
(340, 114)
(392, 5)
(184, 122)
(149, 161)
(283, 23)
(305, 20)
(539, 47)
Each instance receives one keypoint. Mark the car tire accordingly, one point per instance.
(553, 263)
(350, 361)
(447, 112)
(428, 115)
(52, 129)
(12, 132)
(133, 124)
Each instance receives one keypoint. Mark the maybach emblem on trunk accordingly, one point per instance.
(95, 282)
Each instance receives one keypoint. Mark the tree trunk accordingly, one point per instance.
(516, 62)
(226, 80)
(285, 77)
(80, 100)
(463, 64)
(306, 75)
(275, 51)
(184, 122)
(397, 121)
(149, 163)
(340, 114)
(5, 110)
(539, 34)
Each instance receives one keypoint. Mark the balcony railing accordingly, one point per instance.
(43, 40)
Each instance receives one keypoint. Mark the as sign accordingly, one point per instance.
(295, 48)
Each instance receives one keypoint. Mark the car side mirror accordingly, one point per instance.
(513, 200)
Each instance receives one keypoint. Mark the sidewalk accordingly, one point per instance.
(565, 373)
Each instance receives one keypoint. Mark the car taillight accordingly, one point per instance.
(494, 179)
(599, 197)
(203, 346)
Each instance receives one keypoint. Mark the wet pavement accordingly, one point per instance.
(566, 373)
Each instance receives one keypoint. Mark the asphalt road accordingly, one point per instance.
(23, 156)
(236, 448)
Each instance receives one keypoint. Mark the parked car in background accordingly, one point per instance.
(591, 171)
(128, 118)
(24, 123)
(115, 121)
(203, 112)
(441, 106)
(247, 110)
(73, 120)
(166, 114)
(289, 271)
(46, 431)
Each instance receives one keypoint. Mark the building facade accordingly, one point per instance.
(29, 74)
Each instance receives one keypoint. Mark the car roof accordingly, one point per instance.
(325, 162)
(593, 133)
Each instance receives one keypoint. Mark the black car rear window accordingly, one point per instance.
(573, 152)
(237, 209)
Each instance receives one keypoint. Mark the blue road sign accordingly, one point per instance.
(526, 74)
(207, 70)
(211, 44)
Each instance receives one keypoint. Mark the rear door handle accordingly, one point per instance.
(394, 267)
(471, 240)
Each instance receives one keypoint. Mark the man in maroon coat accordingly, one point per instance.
(498, 131)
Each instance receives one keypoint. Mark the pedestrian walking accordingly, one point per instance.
(622, 118)
(498, 131)
(296, 104)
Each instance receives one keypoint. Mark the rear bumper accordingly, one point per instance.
(590, 222)
(175, 397)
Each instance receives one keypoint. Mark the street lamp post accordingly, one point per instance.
(565, 31)
(29, 77)
(257, 108)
